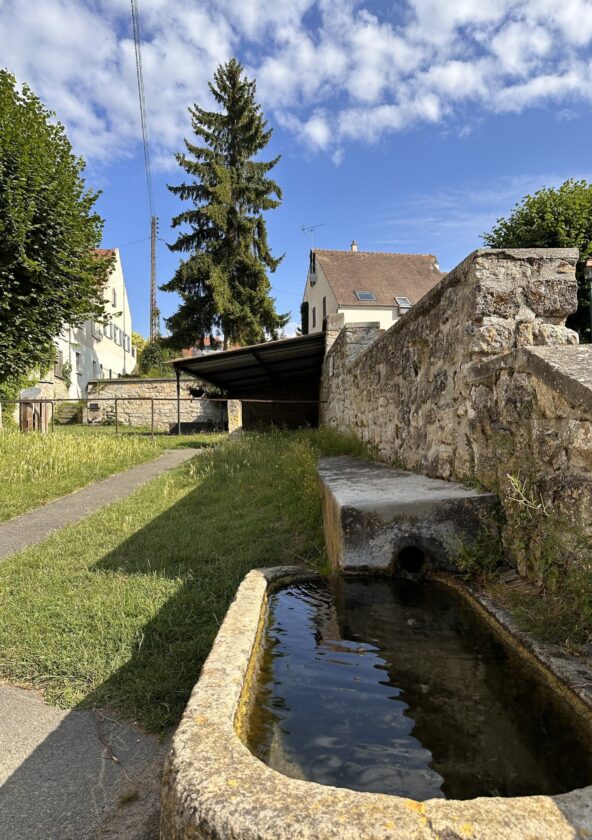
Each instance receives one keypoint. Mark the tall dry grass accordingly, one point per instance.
(36, 467)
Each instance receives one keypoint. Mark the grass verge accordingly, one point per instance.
(36, 468)
(120, 610)
(561, 616)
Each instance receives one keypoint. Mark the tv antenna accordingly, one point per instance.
(311, 229)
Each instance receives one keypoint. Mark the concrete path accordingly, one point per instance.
(35, 525)
(75, 775)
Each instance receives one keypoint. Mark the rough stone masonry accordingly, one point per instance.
(134, 403)
(482, 382)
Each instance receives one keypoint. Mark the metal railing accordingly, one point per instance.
(116, 420)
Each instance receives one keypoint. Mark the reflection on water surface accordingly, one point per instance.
(400, 687)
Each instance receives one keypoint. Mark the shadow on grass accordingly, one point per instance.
(207, 544)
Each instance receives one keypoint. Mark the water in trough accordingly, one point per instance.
(401, 687)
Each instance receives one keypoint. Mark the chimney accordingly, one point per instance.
(354, 245)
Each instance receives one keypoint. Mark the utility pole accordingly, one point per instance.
(154, 313)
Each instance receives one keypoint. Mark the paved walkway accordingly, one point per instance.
(75, 775)
(35, 525)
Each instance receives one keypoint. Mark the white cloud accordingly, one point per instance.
(328, 70)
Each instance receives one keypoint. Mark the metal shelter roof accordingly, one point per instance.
(260, 365)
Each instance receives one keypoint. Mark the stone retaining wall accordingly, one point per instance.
(481, 380)
(197, 413)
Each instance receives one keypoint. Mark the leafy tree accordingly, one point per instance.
(554, 218)
(152, 360)
(50, 276)
(139, 343)
(223, 284)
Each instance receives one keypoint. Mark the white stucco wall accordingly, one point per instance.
(100, 351)
(314, 295)
(385, 315)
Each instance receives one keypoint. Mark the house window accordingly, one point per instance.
(114, 297)
(324, 308)
(79, 363)
(314, 317)
(365, 295)
(108, 330)
(58, 365)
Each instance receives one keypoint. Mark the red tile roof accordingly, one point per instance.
(385, 275)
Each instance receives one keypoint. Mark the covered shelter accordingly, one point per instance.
(278, 382)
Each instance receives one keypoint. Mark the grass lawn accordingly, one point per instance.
(120, 610)
(35, 468)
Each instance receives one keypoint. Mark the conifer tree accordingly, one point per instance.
(223, 283)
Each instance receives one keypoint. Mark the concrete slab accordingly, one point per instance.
(75, 775)
(372, 512)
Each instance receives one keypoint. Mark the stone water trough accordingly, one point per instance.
(215, 788)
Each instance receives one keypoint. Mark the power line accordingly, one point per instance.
(142, 98)
(134, 242)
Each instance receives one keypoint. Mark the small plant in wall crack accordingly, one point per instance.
(531, 501)
(541, 534)
(67, 374)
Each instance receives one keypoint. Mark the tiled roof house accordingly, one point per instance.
(366, 285)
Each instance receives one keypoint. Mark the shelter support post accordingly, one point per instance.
(178, 375)
(235, 417)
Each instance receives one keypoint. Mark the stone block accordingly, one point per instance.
(372, 512)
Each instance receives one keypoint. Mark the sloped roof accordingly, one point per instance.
(272, 363)
(386, 275)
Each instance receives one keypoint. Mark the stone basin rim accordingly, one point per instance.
(214, 788)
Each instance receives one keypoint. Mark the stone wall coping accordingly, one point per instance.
(214, 788)
(566, 369)
(128, 380)
(457, 275)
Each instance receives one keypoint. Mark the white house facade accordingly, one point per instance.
(365, 286)
(96, 350)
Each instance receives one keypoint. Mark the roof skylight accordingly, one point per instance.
(365, 295)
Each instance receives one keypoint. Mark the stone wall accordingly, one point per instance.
(199, 413)
(481, 380)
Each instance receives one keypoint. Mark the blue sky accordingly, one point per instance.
(406, 126)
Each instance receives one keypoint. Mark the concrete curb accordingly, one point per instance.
(215, 789)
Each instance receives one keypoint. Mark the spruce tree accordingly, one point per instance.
(223, 283)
